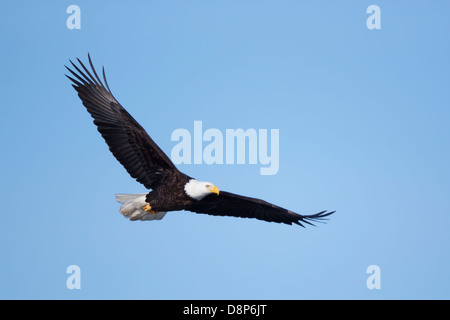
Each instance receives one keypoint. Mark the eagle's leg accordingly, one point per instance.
(148, 208)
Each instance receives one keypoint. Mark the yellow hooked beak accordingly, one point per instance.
(215, 190)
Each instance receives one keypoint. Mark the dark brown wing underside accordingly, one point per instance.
(127, 140)
(229, 204)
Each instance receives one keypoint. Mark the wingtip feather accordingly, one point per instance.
(318, 217)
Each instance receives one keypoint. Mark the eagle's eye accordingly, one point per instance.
(208, 186)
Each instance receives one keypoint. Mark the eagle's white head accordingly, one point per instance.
(199, 189)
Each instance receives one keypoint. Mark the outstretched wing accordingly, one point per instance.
(229, 204)
(127, 140)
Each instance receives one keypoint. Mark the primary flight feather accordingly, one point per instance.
(171, 190)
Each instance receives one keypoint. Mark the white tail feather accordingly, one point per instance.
(132, 207)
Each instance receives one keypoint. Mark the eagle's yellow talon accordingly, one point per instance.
(148, 208)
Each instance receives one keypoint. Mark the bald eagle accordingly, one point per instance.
(171, 190)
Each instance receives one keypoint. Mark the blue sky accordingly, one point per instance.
(363, 120)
